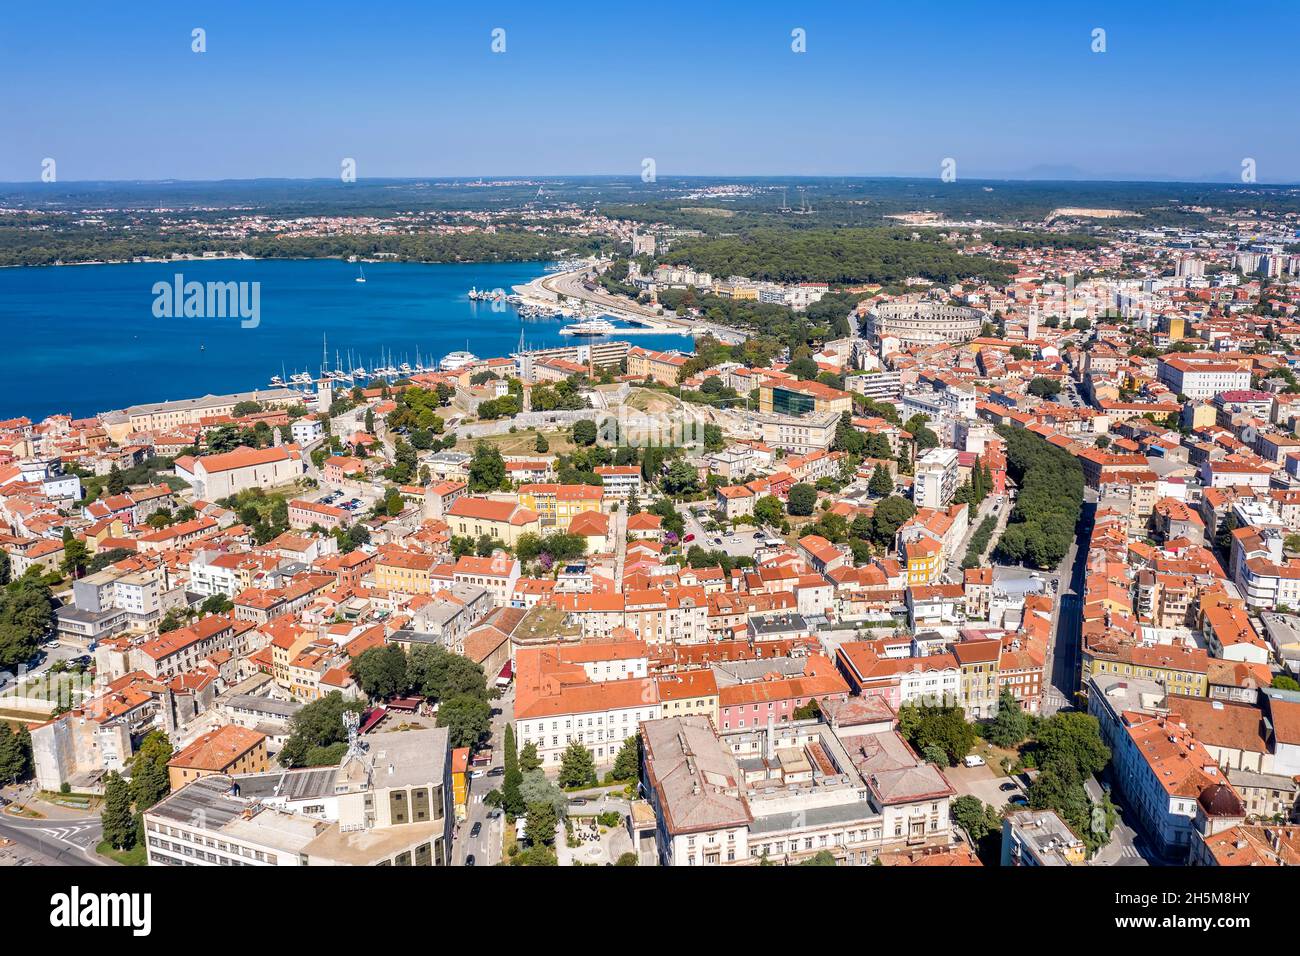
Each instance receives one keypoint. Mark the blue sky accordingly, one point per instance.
(1185, 90)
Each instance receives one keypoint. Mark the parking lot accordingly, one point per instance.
(742, 542)
(341, 500)
(986, 783)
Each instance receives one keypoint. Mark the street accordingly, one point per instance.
(69, 840)
(486, 847)
(1062, 662)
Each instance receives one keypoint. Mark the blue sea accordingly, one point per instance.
(85, 339)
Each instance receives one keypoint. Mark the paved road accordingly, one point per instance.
(1063, 660)
(486, 847)
(70, 842)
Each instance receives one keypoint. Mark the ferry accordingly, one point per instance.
(590, 327)
(455, 360)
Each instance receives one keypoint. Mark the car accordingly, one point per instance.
(476, 829)
(497, 772)
(1008, 786)
(469, 860)
(717, 541)
(1019, 800)
(689, 537)
(493, 814)
(579, 801)
(758, 536)
(973, 760)
(476, 774)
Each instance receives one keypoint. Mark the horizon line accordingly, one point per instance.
(676, 176)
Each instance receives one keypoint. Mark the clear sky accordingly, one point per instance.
(1185, 89)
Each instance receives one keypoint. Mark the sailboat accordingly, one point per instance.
(362, 276)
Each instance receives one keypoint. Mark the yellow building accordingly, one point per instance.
(689, 692)
(460, 781)
(406, 572)
(662, 367)
(922, 558)
(1182, 670)
(227, 750)
(557, 505)
(471, 517)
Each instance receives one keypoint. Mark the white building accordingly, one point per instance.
(936, 478)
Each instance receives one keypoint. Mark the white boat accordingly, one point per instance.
(276, 381)
(455, 360)
(362, 276)
(590, 327)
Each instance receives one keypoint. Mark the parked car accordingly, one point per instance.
(497, 772)
(973, 760)
(579, 801)
(476, 829)
(1019, 800)
(1008, 786)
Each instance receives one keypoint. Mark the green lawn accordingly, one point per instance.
(136, 856)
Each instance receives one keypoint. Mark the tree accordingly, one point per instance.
(982, 824)
(150, 780)
(381, 671)
(487, 469)
(768, 511)
(439, 674)
(1011, 725)
(529, 760)
(511, 800)
(535, 856)
(937, 729)
(468, 718)
(1044, 387)
(682, 479)
(577, 767)
(584, 432)
(75, 557)
(809, 710)
(317, 732)
(1283, 682)
(889, 515)
(15, 753)
(116, 819)
(217, 604)
(26, 615)
(801, 499)
(541, 446)
(1070, 744)
(116, 483)
(881, 484)
(627, 765)
(626, 859)
(820, 858)
(541, 825)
